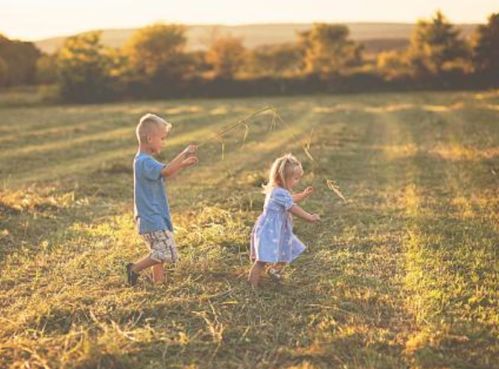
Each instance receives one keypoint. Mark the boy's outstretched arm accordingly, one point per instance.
(299, 212)
(181, 161)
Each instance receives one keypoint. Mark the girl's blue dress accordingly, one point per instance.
(272, 238)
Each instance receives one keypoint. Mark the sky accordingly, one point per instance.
(38, 19)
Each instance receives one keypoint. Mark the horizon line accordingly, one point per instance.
(269, 23)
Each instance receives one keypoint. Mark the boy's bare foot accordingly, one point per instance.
(131, 275)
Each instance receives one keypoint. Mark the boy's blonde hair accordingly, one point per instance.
(147, 123)
(281, 170)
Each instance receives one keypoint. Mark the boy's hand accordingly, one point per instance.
(190, 150)
(314, 218)
(190, 161)
(308, 191)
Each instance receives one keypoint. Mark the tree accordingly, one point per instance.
(198, 61)
(46, 69)
(435, 44)
(4, 69)
(84, 64)
(486, 47)
(156, 53)
(275, 60)
(226, 56)
(20, 58)
(327, 49)
(392, 64)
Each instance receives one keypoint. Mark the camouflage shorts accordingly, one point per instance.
(162, 246)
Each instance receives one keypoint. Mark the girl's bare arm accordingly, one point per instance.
(299, 212)
(300, 196)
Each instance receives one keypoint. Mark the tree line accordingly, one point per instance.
(155, 62)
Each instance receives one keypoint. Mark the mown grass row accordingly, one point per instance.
(403, 275)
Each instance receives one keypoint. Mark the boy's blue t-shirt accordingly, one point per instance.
(151, 208)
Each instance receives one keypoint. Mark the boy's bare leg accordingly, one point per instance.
(158, 273)
(254, 273)
(143, 263)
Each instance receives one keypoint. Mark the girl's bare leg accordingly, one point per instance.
(255, 272)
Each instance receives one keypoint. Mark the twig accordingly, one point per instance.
(276, 119)
(229, 127)
(306, 148)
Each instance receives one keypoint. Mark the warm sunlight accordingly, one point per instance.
(262, 184)
(34, 20)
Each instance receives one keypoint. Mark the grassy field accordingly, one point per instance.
(403, 275)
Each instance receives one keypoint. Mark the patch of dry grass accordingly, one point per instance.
(399, 276)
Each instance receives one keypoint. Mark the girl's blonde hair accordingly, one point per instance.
(281, 170)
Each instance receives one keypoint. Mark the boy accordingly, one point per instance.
(151, 210)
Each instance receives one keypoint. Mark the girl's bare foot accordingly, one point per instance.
(274, 274)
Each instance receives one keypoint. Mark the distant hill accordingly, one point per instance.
(374, 36)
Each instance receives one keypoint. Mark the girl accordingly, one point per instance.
(272, 238)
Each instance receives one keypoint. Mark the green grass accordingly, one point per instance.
(404, 275)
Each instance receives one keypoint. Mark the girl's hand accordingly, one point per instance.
(308, 191)
(314, 218)
(190, 161)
